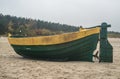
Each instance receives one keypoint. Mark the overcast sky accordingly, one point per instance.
(72, 12)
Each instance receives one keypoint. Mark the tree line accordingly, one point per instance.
(31, 27)
(113, 34)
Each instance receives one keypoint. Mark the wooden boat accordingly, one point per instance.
(78, 45)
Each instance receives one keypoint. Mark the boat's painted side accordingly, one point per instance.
(72, 46)
(81, 49)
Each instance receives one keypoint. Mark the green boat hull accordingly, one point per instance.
(81, 49)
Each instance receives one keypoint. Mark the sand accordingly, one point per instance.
(13, 66)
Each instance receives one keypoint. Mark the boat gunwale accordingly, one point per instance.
(56, 39)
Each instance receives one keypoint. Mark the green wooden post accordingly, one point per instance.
(106, 49)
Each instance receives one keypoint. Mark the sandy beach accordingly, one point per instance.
(13, 66)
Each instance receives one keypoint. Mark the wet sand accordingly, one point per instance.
(13, 66)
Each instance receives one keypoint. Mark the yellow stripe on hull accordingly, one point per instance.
(54, 39)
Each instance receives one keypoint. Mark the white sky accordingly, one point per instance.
(87, 13)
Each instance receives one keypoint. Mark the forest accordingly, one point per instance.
(112, 34)
(31, 27)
